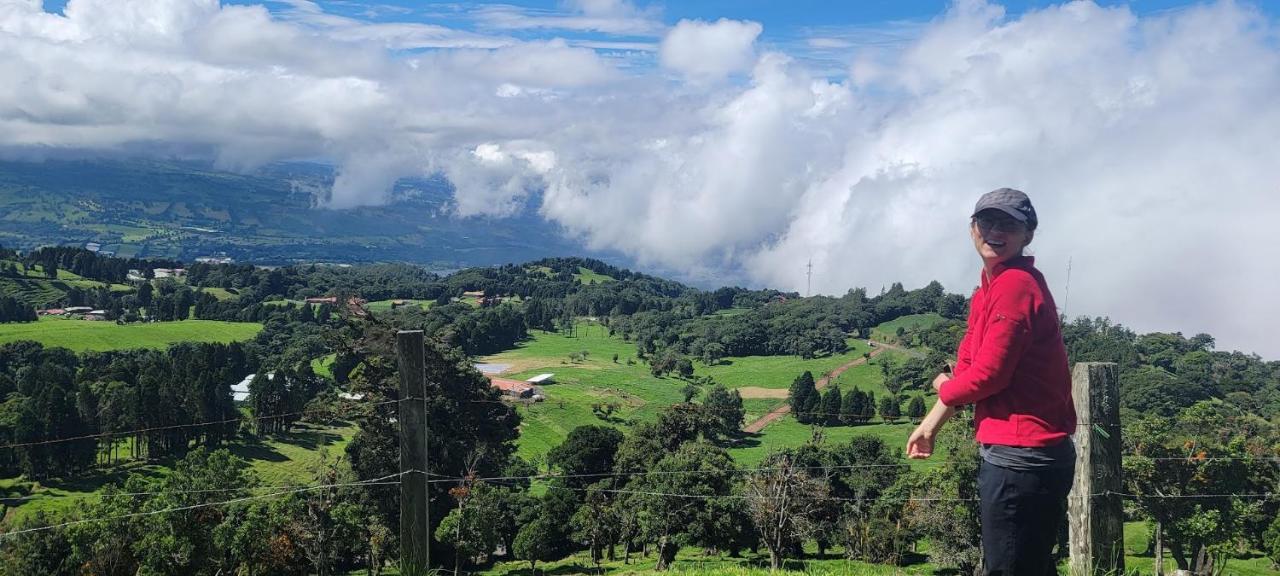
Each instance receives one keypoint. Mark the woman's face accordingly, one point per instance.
(998, 236)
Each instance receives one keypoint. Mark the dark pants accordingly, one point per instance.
(1021, 512)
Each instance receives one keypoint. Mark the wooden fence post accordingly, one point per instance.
(1094, 515)
(415, 522)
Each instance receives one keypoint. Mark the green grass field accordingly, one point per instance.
(81, 335)
(220, 293)
(385, 305)
(587, 276)
(775, 371)
(639, 396)
(887, 330)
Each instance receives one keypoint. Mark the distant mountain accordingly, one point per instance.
(186, 210)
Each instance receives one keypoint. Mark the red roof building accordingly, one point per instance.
(513, 387)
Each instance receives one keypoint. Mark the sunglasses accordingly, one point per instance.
(998, 224)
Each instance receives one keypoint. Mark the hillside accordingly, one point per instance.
(184, 211)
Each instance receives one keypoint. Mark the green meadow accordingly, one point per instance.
(100, 336)
(638, 396)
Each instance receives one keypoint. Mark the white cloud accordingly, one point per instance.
(617, 17)
(710, 50)
(1147, 143)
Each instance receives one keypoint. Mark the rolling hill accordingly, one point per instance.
(185, 210)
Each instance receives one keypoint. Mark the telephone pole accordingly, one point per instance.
(808, 286)
(1066, 298)
(415, 520)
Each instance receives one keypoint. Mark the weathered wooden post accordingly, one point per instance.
(415, 523)
(1094, 514)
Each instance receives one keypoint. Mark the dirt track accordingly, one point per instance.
(778, 412)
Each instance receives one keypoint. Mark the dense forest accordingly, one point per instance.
(1196, 421)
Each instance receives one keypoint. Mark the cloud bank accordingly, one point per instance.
(1147, 143)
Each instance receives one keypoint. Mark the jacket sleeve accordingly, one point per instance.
(1004, 339)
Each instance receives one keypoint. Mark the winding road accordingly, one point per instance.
(782, 410)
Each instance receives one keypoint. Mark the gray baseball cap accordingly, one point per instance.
(1011, 202)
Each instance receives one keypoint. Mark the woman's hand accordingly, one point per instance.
(920, 444)
(939, 380)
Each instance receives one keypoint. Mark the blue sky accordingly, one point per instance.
(780, 18)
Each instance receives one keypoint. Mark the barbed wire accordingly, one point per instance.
(88, 495)
(1256, 496)
(383, 481)
(667, 472)
(127, 433)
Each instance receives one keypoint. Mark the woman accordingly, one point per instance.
(1012, 365)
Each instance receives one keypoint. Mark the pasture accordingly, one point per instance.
(101, 336)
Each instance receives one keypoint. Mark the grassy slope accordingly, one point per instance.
(640, 396)
(775, 371)
(887, 330)
(587, 276)
(36, 290)
(384, 305)
(81, 335)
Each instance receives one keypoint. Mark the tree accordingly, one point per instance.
(890, 409)
(684, 367)
(783, 501)
(831, 406)
(596, 522)
(1206, 450)
(869, 407)
(534, 543)
(667, 515)
(690, 392)
(951, 523)
(1271, 542)
(712, 352)
(726, 408)
(803, 397)
(916, 408)
(586, 455)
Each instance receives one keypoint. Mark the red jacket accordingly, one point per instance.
(1012, 362)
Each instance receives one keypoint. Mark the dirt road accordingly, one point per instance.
(780, 411)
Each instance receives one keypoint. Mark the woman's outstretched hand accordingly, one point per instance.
(920, 444)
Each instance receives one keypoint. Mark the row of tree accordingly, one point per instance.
(831, 408)
(14, 310)
(148, 403)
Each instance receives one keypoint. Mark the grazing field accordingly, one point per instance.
(384, 305)
(587, 276)
(888, 330)
(82, 335)
(637, 396)
(776, 371)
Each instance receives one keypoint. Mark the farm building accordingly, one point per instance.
(169, 272)
(514, 388)
(51, 312)
(323, 300)
(77, 309)
(541, 379)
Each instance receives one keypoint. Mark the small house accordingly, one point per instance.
(513, 388)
